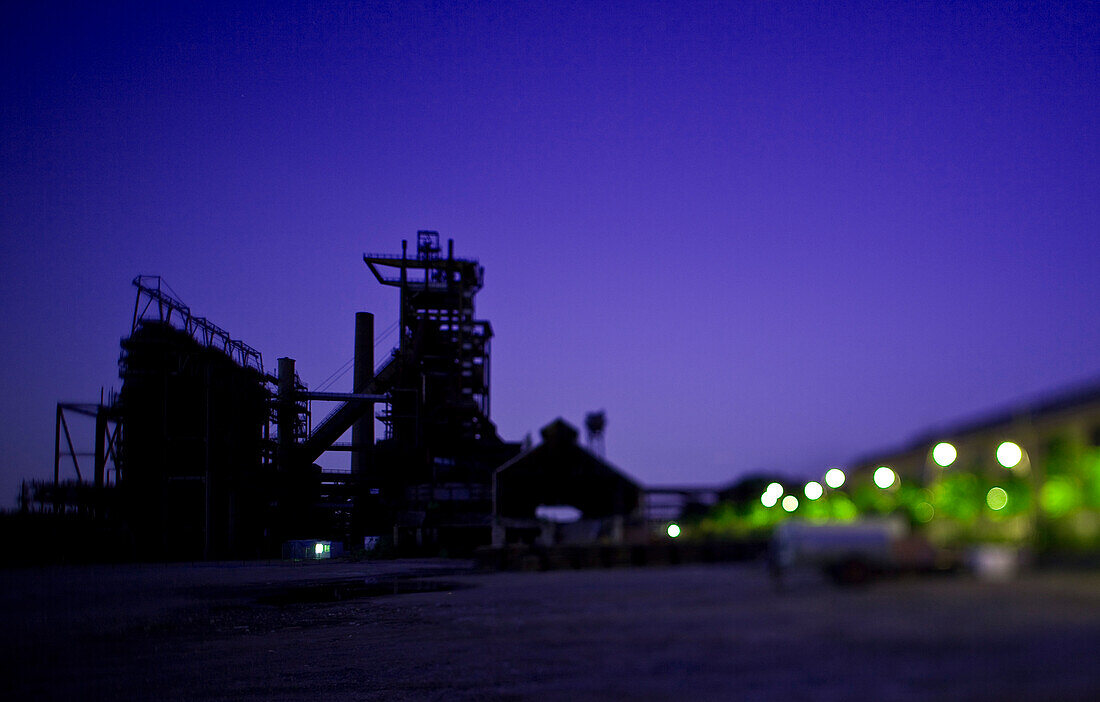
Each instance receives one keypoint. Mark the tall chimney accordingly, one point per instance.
(362, 432)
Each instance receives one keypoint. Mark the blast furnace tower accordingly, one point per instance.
(431, 477)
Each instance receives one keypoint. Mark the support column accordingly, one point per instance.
(100, 444)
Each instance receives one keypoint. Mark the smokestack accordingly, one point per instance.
(287, 414)
(362, 432)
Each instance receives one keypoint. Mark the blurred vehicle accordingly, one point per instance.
(853, 553)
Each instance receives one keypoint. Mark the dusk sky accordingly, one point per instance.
(760, 235)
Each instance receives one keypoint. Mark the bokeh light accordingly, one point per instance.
(1009, 454)
(673, 530)
(996, 498)
(924, 511)
(813, 490)
(834, 478)
(884, 477)
(944, 454)
(790, 503)
(1059, 496)
(768, 499)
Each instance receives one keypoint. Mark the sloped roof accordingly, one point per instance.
(1046, 406)
(561, 472)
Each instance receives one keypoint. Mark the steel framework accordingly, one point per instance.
(165, 307)
(431, 481)
(108, 429)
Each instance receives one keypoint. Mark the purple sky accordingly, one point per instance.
(764, 236)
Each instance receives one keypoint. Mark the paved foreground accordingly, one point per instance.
(276, 632)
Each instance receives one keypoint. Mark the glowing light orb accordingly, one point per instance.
(1059, 496)
(673, 530)
(884, 477)
(774, 489)
(834, 478)
(319, 549)
(1009, 454)
(924, 511)
(790, 503)
(944, 454)
(768, 499)
(813, 490)
(996, 498)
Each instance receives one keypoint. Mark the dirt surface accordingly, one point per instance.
(324, 631)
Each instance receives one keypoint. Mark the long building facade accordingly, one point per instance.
(1028, 475)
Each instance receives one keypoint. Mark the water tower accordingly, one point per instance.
(594, 424)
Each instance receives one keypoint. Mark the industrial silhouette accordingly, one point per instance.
(204, 454)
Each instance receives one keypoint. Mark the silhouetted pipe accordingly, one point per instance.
(401, 311)
(343, 396)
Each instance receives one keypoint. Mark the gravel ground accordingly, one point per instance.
(278, 631)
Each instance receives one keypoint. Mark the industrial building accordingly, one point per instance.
(194, 409)
(559, 472)
(183, 464)
(203, 454)
(1029, 475)
(1024, 478)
